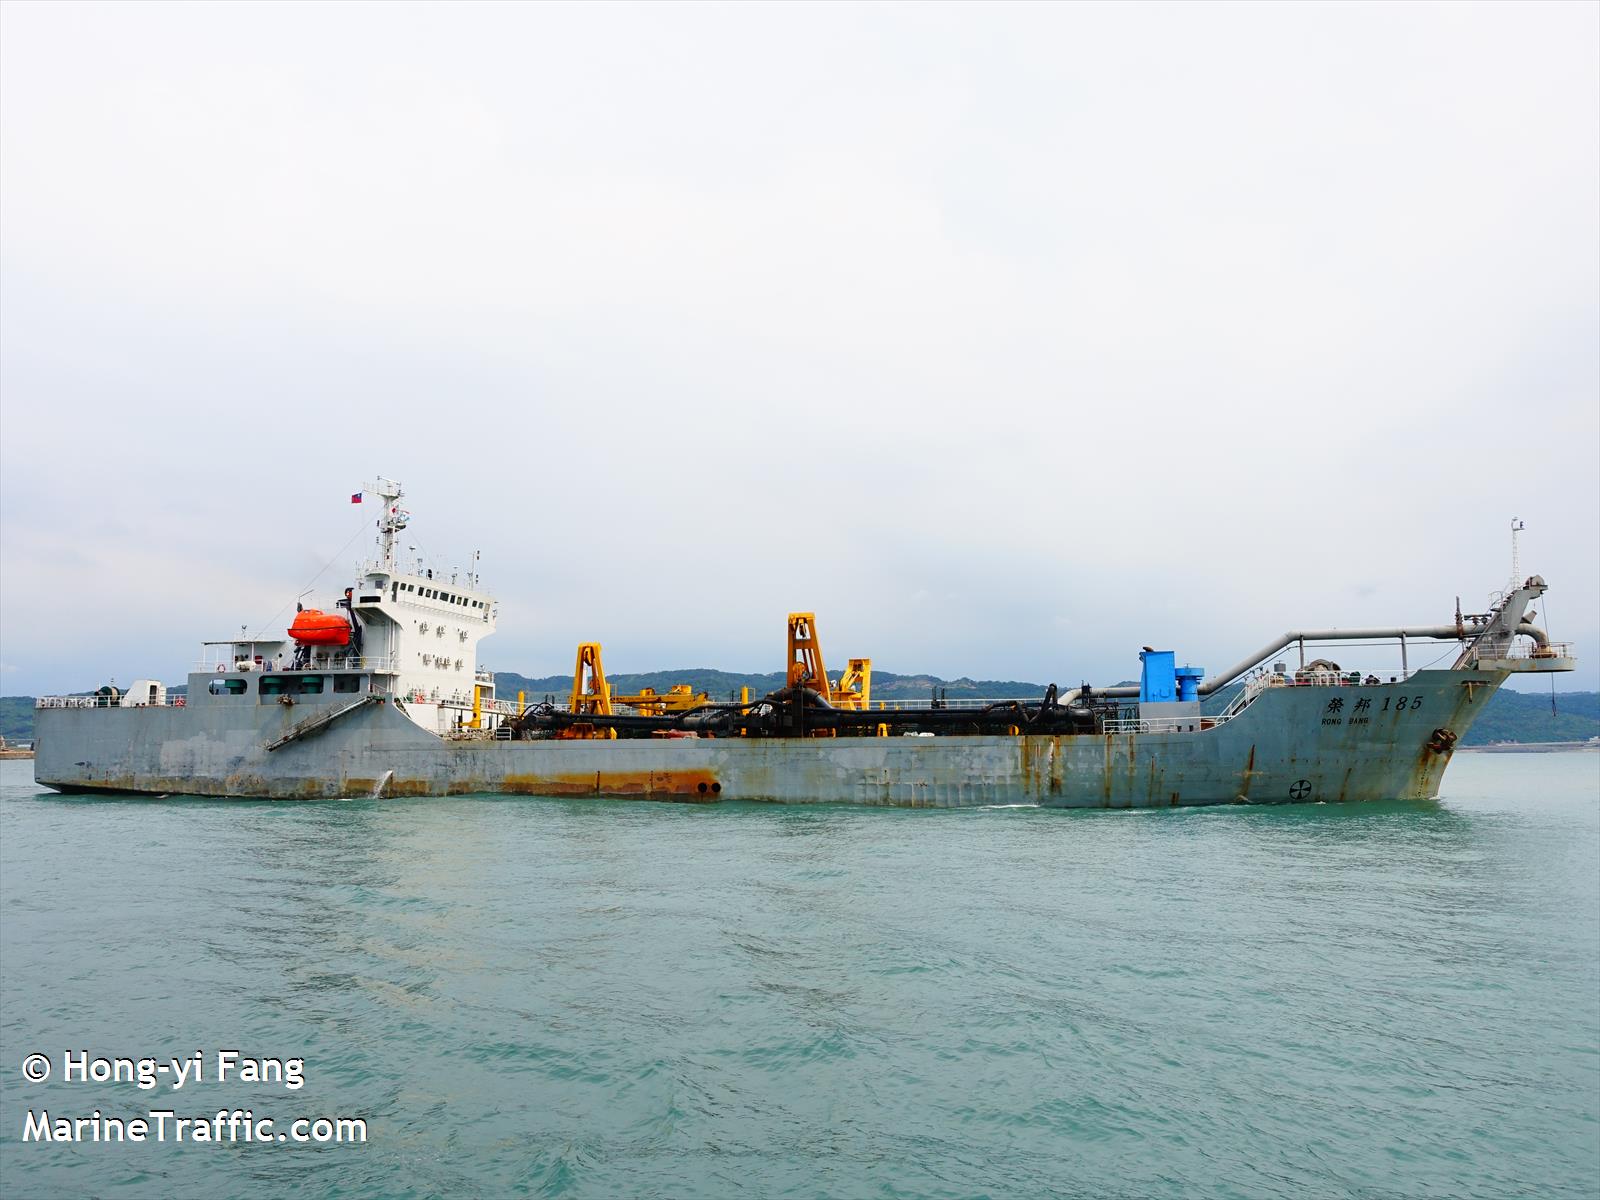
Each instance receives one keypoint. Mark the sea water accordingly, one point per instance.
(604, 998)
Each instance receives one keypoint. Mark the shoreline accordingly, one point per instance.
(1528, 748)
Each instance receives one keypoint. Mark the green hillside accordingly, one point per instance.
(725, 685)
(1526, 717)
(16, 718)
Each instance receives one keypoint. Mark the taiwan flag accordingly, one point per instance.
(355, 498)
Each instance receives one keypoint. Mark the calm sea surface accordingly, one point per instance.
(602, 998)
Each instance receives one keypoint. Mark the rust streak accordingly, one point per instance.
(664, 785)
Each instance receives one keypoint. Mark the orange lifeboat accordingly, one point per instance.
(315, 628)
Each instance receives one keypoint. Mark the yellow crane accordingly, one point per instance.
(806, 668)
(592, 696)
(591, 693)
(855, 686)
(650, 703)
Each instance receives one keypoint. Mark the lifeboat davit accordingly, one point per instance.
(315, 628)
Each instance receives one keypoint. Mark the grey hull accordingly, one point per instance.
(1292, 744)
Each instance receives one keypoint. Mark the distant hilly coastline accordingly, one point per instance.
(1511, 716)
(725, 685)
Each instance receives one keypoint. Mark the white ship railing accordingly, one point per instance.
(344, 662)
(1162, 724)
(1520, 648)
(457, 702)
(963, 703)
(106, 702)
(1263, 680)
(504, 708)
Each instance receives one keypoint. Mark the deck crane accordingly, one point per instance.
(806, 668)
(591, 694)
(651, 703)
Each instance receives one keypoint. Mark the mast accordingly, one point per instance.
(1516, 570)
(390, 522)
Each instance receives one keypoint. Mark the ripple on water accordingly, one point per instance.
(573, 998)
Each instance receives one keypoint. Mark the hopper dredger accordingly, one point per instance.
(384, 696)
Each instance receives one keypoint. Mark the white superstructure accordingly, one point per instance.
(422, 625)
(414, 636)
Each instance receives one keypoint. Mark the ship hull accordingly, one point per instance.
(1291, 745)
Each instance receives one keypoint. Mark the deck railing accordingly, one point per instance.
(107, 702)
(343, 662)
(1522, 648)
(963, 703)
(1162, 724)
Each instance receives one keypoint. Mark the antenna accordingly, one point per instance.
(1516, 570)
(391, 520)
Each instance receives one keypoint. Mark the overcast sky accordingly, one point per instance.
(1007, 339)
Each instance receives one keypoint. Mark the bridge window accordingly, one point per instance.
(292, 685)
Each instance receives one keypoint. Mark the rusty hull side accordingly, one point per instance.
(1289, 746)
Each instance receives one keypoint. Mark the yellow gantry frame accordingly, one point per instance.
(806, 668)
(805, 654)
(590, 692)
(855, 686)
